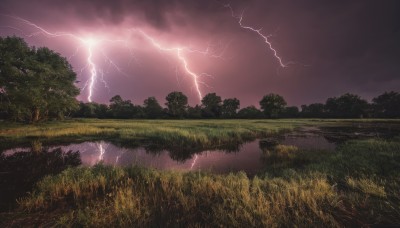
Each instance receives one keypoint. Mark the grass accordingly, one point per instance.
(177, 133)
(173, 134)
(306, 190)
(358, 185)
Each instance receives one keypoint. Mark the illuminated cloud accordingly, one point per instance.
(347, 46)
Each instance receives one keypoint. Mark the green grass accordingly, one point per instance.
(358, 185)
(304, 189)
(181, 134)
(176, 134)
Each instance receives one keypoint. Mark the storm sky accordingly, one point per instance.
(335, 46)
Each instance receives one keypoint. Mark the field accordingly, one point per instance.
(356, 185)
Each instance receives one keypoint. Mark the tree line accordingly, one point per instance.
(272, 105)
(37, 84)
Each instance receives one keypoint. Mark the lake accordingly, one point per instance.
(245, 157)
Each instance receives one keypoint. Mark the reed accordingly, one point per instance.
(324, 190)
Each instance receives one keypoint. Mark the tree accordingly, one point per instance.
(152, 109)
(346, 106)
(291, 112)
(86, 110)
(316, 110)
(211, 105)
(230, 107)
(92, 110)
(273, 105)
(35, 84)
(123, 109)
(387, 105)
(102, 111)
(250, 112)
(177, 104)
(194, 112)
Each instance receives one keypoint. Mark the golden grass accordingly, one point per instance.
(315, 193)
(358, 185)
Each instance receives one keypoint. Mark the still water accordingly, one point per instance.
(16, 163)
(246, 158)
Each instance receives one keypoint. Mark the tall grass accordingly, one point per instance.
(106, 195)
(305, 190)
(183, 134)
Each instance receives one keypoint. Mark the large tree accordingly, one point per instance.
(177, 104)
(211, 105)
(152, 108)
(35, 83)
(230, 107)
(387, 105)
(273, 105)
(346, 106)
(124, 109)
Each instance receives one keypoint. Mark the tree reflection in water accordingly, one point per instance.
(21, 170)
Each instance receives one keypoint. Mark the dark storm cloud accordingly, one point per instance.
(347, 46)
(153, 12)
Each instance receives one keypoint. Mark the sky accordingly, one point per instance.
(143, 48)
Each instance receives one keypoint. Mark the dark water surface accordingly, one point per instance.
(20, 168)
(246, 158)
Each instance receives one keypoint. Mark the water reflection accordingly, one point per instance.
(20, 170)
(245, 157)
(218, 161)
(232, 157)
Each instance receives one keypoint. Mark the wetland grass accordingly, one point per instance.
(319, 190)
(198, 134)
(357, 185)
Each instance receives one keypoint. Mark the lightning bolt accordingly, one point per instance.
(259, 33)
(93, 72)
(102, 147)
(96, 74)
(102, 151)
(88, 43)
(194, 161)
(179, 52)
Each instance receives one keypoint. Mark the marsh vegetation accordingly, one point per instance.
(356, 184)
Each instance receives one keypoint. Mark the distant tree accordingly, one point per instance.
(35, 84)
(92, 110)
(346, 106)
(152, 109)
(177, 104)
(123, 109)
(273, 105)
(211, 105)
(230, 107)
(86, 110)
(316, 110)
(332, 107)
(250, 112)
(387, 105)
(194, 112)
(291, 112)
(102, 111)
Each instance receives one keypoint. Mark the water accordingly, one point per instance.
(247, 158)
(16, 163)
